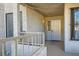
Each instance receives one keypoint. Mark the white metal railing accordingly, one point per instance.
(35, 38)
(24, 45)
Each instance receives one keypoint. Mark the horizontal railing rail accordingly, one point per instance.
(24, 44)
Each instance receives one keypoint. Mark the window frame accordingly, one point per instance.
(72, 26)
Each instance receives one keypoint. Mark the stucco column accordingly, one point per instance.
(16, 27)
(16, 19)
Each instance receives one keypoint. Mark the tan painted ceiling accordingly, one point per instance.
(48, 9)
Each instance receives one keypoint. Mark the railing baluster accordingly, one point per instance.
(16, 43)
(35, 40)
(31, 43)
(3, 48)
(43, 38)
(38, 39)
(28, 46)
(23, 45)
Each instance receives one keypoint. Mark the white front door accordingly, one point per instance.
(55, 30)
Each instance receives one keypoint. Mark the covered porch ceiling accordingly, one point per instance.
(48, 9)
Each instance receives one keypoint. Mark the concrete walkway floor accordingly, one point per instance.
(56, 48)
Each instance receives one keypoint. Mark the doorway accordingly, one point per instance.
(54, 30)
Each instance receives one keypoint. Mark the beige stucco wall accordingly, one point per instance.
(70, 46)
(34, 21)
(2, 21)
(2, 24)
(61, 18)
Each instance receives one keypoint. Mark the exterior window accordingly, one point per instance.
(75, 24)
(21, 26)
(9, 24)
(49, 25)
